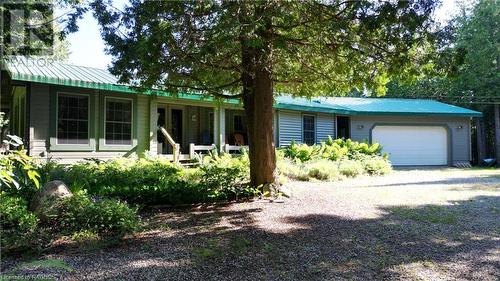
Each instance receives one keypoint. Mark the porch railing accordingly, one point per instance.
(193, 148)
(228, 148)
(176, 148)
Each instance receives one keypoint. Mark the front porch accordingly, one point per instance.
(181, 131)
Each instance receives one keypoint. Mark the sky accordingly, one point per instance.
(88, 49)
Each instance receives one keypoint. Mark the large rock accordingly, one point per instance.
(51, 190)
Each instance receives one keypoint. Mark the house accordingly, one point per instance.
(68, 113)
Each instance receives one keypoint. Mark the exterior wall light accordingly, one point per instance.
(460, 127)
(360, 127)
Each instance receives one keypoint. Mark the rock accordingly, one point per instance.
(51, 190)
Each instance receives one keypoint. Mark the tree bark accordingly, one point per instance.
(496, 107)
(260, 116)
(258, 98)
(481, 140)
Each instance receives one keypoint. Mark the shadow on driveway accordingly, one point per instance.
(458, 240)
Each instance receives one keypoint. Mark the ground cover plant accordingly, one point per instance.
(332, 160)
(152, 181)
(26, 231)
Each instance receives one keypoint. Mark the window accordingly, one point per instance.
(72, 119)
(308, 129)
(238, 124)
(118, 121)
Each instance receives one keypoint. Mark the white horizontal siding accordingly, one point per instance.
(290, 127)
(325, 126)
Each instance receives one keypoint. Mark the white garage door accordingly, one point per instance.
(413, 145)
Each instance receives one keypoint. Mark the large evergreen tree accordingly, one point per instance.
(254, 49)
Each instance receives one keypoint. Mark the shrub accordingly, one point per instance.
(334, 150)
(19, 226)
(324, 170)
(292, 169)
(226, 177)
(18, 175)
(302, 152)
(376, 165)
(153, 181)
(107, 217)
(350, 168)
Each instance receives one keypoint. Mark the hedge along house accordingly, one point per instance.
(68, 113)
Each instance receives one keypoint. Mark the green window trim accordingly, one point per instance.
(54, 145)
(102, 124)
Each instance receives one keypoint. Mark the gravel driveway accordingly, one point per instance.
(413, 224)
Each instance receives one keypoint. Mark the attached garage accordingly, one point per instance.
(413, 145)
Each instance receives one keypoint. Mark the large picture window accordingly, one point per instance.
(72, 119)
(308, 129)
(118, 121)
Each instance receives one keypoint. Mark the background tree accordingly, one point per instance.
(253, 49)
(467, 71)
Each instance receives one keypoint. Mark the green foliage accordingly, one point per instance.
(376, 165)
(351, 168)
(334, 150)
(309, 57)
(332, 159)
(18, 174)
(46, 264)
(106, 217)
(324, 170)
(156, 181)
(18, 225)
(292, 169)
(302, 152)
(227, 177)
(428, 214)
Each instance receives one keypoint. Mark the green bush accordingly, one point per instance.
(324, 170)
(302, 152)
(331, 158)
(376, 165)
(292, 169)
(350, 168)
(18, 174)
(226, 177)
(106, 217)
(153, 181)
(334, 150)
(18, 225)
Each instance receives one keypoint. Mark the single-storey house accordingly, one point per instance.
(68, 113)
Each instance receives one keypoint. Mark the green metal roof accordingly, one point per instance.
(379, 106)
(56, 73)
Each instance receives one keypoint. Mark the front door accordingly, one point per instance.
(176, 125)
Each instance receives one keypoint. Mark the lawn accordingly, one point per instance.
(412, 224)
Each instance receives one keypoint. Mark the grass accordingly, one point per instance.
(428, 214)
(48, 263)
(213, 248)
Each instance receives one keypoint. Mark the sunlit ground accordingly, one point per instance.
(435, 224)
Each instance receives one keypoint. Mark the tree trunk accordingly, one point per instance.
(481, 140)
(258, 98)
(260, 117)
(496, 108)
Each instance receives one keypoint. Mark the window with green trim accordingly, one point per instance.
(72, 119)
(118, 121)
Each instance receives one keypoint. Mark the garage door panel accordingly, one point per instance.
(413, 145)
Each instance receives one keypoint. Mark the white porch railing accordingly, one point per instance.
(193, 148)
(228, 148)
(176, 148)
